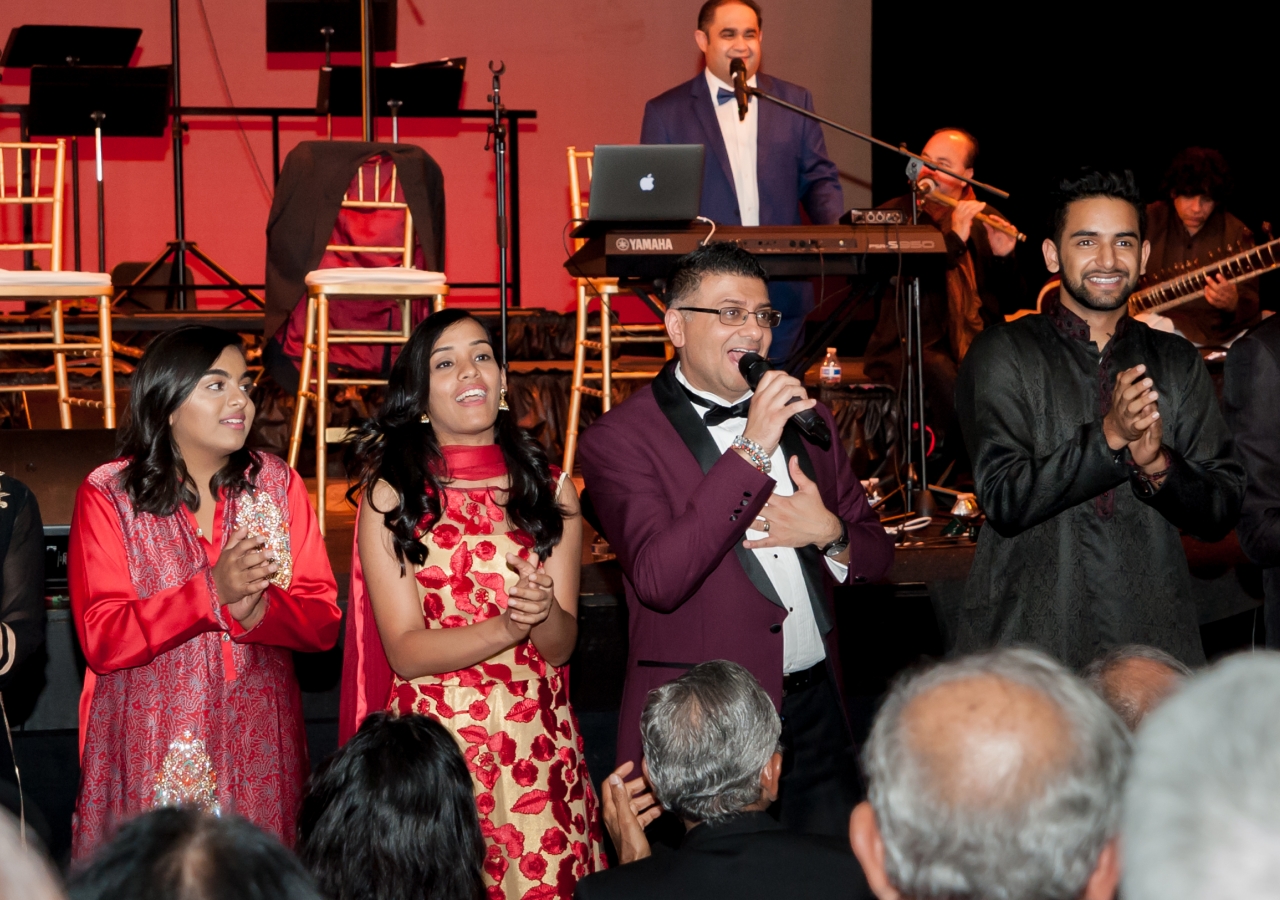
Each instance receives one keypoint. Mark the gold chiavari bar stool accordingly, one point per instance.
(606, 333)
(58, 288)
(400, 284)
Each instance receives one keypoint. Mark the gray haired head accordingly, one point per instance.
(1134, 678)
(707, 736)
(1202, 805)
(1029, 826)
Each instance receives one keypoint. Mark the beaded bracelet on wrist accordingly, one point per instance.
(755, 453)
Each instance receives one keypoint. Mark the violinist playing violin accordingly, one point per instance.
(977, 285)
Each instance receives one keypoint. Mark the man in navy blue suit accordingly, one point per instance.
(759, 170)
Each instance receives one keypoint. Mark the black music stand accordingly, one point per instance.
(70, 100)
(426, 89)
(67, 45)
(297, 26)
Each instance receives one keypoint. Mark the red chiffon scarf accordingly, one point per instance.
(366, 674)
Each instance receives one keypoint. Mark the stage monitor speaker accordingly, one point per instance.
(293, 26)
(53, 463)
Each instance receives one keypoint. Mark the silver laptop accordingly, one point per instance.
(646, 183)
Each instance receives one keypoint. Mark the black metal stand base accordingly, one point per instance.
(176, 251)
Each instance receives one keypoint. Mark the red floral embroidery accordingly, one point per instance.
(524, 772)
(537, 811)
(533, 866)
(554, 841)
(524, 711)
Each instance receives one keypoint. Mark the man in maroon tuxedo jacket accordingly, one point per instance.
(731, 529)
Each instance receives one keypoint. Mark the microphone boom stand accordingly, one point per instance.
(498, 134)
(916, 483)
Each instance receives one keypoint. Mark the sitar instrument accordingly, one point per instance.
(1188, 286)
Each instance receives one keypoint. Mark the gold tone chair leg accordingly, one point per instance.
(304, 384)
(575, 389)
(606, 353)
(322, 406)
(437, 303)
(60, 367)
(108, 362)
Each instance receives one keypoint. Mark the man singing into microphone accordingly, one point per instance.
(761, 168)
(732, 529)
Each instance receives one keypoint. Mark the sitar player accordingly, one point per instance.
(1192, 228)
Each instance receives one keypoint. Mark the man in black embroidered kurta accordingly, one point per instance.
(1094, 440)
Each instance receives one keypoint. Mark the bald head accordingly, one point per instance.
(986, 742)
(1135, 679)
(992, 775)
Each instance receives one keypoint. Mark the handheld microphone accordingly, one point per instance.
(739, 71)
(811, 424)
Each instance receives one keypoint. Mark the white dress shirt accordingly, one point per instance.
(802, 645)
(740, 142)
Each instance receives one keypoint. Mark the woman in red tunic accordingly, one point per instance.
(465, 581)
(195, 567)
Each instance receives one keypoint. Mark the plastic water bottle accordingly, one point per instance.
(830, 372)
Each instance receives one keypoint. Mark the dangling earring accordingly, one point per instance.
(424, 419)
(502, 402)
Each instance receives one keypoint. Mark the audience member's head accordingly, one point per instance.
(24, 875)
(393, 811)
(992, 776)
(1134, 679)
(1202, 804)
(711, 743)
(184, 854)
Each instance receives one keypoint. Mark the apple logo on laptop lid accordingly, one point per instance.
(646, 183)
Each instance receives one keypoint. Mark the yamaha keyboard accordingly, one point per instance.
(785, 251)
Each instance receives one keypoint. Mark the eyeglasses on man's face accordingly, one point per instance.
(736, 315)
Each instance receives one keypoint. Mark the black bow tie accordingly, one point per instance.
(717, 414)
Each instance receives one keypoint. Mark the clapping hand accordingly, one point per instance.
(1134, 420)
(529, 601)
(628, 808)
(241, 576)
(1133, 408)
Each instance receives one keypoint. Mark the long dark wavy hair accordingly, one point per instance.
(392, 816)
(399, 448)
(156, 478)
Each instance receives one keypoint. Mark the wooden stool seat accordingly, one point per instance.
(401, 285)
(58, 288)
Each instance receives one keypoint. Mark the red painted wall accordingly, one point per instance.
(586, 66)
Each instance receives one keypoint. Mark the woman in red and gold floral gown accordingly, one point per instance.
(464, 593)
(193, 574)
